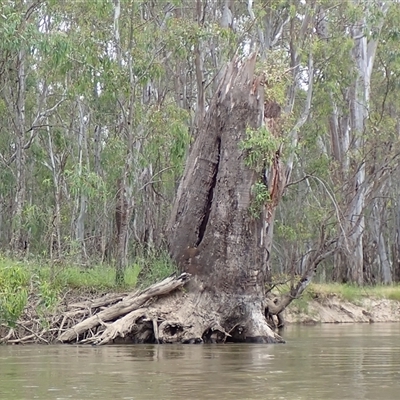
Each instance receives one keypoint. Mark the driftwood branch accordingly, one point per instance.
(124, 307)
(325, 248)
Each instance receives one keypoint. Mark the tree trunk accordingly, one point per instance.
(18, 239)
(348, 141)
(212, 234)
(56, 170)
(396, 247)
(382, 258)
(122, 216)
(81, 199)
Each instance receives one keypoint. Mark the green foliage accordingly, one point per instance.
(168, 135)
(350, 293)
(155, 267)
(96, 278)
(14, 283)
(277, 76)
(48, 294)
(260, 147)
(86, 182)
(394, 294)
(260, 197)
(353, 293)
(48, 283)
(288, 232)
(300, 305)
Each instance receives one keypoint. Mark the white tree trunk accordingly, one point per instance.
(81, 200)
(348, 140)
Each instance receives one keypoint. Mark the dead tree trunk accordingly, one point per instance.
(212, 234)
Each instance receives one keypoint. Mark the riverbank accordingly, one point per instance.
(328, 304)
(40, 301)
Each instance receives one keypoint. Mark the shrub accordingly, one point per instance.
(14, 283)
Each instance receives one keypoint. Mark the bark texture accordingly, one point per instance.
(212, 234)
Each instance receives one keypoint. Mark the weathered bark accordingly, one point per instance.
(211, 232)
(124, 198)
(127, 305)
(381, 255)
(56, 170)
(123, 212)
(396, 247)
(18, 240)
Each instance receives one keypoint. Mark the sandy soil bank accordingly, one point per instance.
(336, 310)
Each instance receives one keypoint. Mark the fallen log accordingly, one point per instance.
(123, 307)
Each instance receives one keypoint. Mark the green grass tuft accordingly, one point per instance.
(96, 278)
(354, 293)
(46, 283)
(14, 285)
(155, 268)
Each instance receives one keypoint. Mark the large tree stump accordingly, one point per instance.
(212, 234)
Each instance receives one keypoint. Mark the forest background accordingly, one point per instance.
(101, 100)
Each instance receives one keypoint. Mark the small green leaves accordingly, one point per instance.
(260, 197)
(260, 147)
(13, 294)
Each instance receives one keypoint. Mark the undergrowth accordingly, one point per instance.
(47, 283)
(345, 292)
(353, 293)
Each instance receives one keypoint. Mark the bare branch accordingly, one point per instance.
(33, 129)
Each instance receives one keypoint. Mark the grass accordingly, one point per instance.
(301, 304)
(346, 292)
(144, 271)
(14, 285)
(354, 293)
(351, 293)
(20, 280)
(95, 278)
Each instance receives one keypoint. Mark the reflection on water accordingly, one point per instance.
(317, 363)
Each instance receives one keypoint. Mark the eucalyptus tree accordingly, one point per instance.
(26, 105)
(384, 150)
(89, 65)
(221, 227)
(344, 160)
(348, 125)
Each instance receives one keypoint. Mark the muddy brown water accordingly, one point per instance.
(325, 362)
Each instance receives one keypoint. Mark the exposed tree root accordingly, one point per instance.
(122, 311)
(163, 313)
(8, 337)
(183, 317)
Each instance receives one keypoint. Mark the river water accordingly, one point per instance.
(323, 362)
